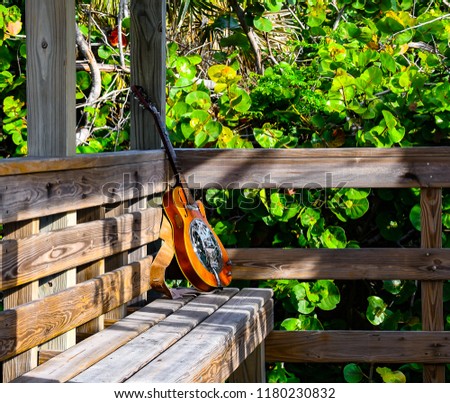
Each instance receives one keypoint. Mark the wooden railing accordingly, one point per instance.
(110, 196)
(424, 168)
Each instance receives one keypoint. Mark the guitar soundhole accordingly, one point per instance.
(206, 247)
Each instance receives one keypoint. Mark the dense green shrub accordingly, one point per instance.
(284, 74)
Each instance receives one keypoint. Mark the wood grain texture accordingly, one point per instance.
(44, 254)
(358, 346)
(116, 260)
(38, 321)
(58, 282)
(219, 344)
(16, 296)
(148, 42)
(72, 362)
(45, 193)
(51, 88)
(32, 165)
(90, 270)
(129, 359)
(316, 168)
(432, 291)
(340, 264)
(252, 369)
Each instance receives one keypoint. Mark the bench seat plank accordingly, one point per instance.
(130, 358)
(73, 361)
(216, 347)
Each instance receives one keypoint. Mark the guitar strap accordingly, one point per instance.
(162, 261)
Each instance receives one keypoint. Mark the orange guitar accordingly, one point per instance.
(199, 252)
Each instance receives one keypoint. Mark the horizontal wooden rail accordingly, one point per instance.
(359, 346)
(341, 264)
(317, 168)
(36, 322)
(34, 257)
(33, 165)
(38, 194)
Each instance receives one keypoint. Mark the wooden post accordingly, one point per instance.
(252, 369)
(432, 291)
(148, 68)
(51, 77)
(51, 110)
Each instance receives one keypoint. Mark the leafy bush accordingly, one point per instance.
(284, 74)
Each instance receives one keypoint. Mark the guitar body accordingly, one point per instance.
(199, 252)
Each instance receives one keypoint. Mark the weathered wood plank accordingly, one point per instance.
(33, 165)
(116, 260)
(44, 254)
(340, 264)
(36, 322)
(51, 88)
(22, 363)
(316, 168)
(60, 281)
(129, 359)
(432, 291)
(72, 362)
(218, 344)
(46, 193)
(90, 270)
(252, 369)
(148, 42)
(358, 346)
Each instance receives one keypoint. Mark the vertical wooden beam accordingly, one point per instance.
(432, 291)
(26, 361)
(90, 270)
(51, 109)
(252, 369)
(50, 26)
(148, 68)
(113, 262)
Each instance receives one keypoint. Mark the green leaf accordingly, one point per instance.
(356, 208)
(334, 237)
(214, 129)
(329, 294)
(387, 62)
(357, 194)
(83, 80)
(414, 217)
(220, 73)
(291, 324)
(299, 299)
(241, 100)
(262, 23)
(353, 373)
(376, 310)
(104, 52)
(273, 5)
(278, 374)
(185, 68)
(267, 137)
(390, 376)
(310, 216)
(199, 99)
(201, 138)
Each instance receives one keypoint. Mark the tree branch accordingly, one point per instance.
(250, 34)
(96, 78)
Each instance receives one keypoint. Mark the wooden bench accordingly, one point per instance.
(201, 339)
(85, 243)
